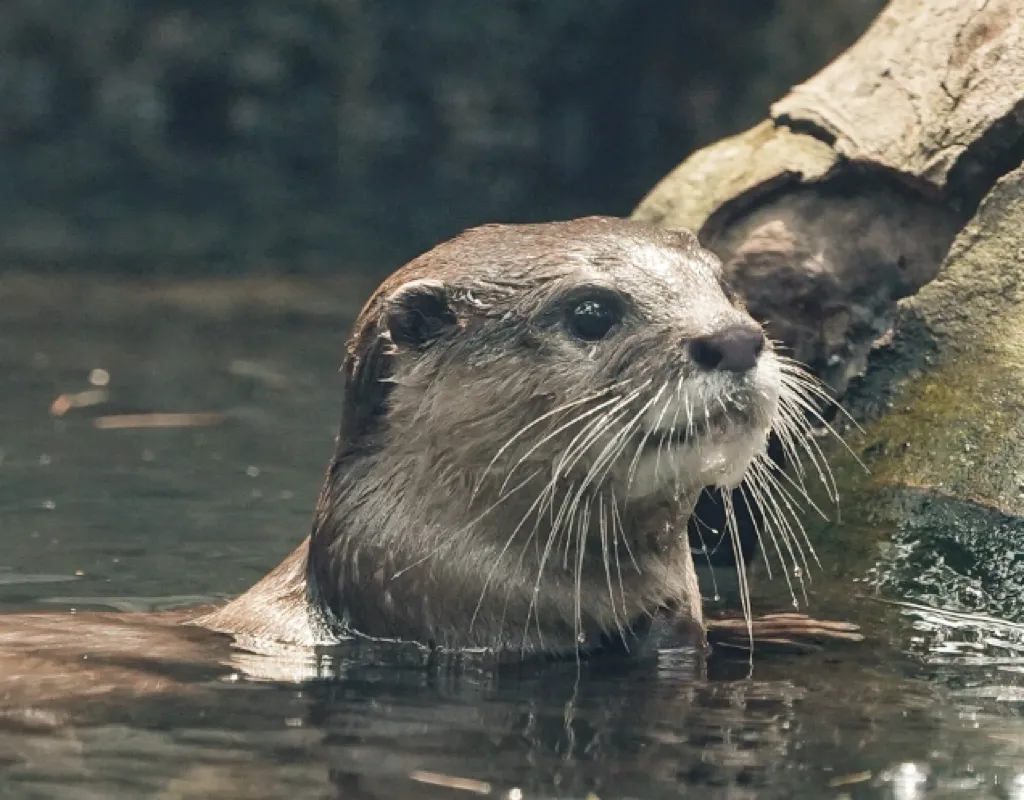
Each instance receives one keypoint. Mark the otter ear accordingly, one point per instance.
(417, 312)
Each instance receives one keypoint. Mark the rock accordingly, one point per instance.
(957, 427)
(946, 453)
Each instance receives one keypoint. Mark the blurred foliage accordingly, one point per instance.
(174, 135)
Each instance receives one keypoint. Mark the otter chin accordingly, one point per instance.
(530, 413)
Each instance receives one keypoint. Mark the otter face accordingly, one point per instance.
(600, 351)
(704, 380)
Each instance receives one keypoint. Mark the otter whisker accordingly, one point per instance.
(602, 523)
(798, 487)
(613, 516)
(796, 371)
(537, 445)
(562, 521)
(741, 568)
(580, 443)
(809, 443)
(689, 415)
(663, 437)
(575, 454)
(532, 608)
(779, 494)
(787, 432)
(631, 472)
(755, 493)
(607, 458)
(616, 445)
(571, 456)
(777, 522)
(581, 535)
(802, 437)
(675, 423)
(504, 549)
(798, 397)
(549, 491)
(725, 409)
(622, 527)
(537, 506)
(548, 414)
(465, 528)
(583, 440)
(751, 494)
(567, 514)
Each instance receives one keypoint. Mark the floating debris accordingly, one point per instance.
(67, 401)
(132, 421)
(847, 780)
(451, 782)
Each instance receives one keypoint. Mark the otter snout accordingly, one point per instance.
(734, 349)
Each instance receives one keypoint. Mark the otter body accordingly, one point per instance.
(530, 413)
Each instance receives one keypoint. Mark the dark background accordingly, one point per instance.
(189, 136)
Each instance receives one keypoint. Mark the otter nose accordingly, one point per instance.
(735, 348)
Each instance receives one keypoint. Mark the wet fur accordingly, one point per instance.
(428, 526)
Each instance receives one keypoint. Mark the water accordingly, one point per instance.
(132, 520)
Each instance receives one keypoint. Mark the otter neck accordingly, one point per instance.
(398, 551)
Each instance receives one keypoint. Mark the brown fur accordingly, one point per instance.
(435, 385)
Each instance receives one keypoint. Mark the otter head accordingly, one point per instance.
(530, 413)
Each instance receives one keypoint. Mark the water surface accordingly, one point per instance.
(93, 518)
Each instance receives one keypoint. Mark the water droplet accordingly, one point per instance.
(717, 598)
(99, 377)
(252, 472)
(48, 505)
(797, 572)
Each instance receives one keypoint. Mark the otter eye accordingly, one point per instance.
(592, 319)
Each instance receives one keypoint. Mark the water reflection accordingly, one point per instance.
(802, 726)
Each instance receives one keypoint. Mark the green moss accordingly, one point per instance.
(958, 430)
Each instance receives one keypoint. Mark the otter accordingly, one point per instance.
(530, 414)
